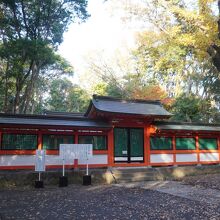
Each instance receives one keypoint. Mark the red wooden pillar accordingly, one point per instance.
(76, 141)
(174, 149)
(218, 144)
(111, 147)
(197, 149)
(39, 140)
(147, 145)
(0, 139)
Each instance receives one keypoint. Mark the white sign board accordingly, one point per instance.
(75, 151)
(40, 161)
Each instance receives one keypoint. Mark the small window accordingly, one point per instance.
(98, 142)
(19, 142)
(53, 141)
(161, 143)
(208, 144)
(185, 143)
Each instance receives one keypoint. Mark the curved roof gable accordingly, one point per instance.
(133, 107)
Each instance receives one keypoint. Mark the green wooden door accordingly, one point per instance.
(128, 144)
(121, 144)
(136, 144)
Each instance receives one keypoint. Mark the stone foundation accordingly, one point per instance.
(102, 176)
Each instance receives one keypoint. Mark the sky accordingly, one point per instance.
(102, 31)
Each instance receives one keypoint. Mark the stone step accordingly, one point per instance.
(136, 170)
(135, 179)
(131, 175)
(125, 175)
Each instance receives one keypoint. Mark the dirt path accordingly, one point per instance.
(179, 189)
(147, 201)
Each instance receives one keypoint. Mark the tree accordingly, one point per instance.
(59, 90)
(66, 97)
(193, 109)
(78, 99)
(109, 88)
(174, 49)
(30, 34)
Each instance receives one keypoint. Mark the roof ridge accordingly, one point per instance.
(110, 98)
(38, 116)
(48, 111)
(186, 123)
(63, 114)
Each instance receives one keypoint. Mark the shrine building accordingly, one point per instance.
(124, 133)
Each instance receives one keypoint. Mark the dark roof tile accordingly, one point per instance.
(43, 121)
(161, 125)
(64, 114)
(136, 107)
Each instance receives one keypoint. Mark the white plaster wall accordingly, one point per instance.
(29, 160)
(161, 158)
(186, 157)
(209, 157)
(55, 160)
(17, 160)
(96, 159)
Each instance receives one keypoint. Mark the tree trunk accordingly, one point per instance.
(214, 50)
(16, 103)
(30, 88)
(5, 108)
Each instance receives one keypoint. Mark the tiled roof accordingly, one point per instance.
(134, 107)
(64, 114)
(186, 126)
(42, 120)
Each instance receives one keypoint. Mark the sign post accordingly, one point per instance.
(87, 180)
(69, 152)
(63, 180)
(39, 167)
(63, 167)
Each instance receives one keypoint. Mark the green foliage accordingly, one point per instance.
(114, 91)
(193, 109)
(179, 52)
(173, 49)
(175, 60)
(59, 90)
(43, 19)
(31, 32)
(100, 89)
(109, 88)
(66, 97)
(133, 86)
(78, 100)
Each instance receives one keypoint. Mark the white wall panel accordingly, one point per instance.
(209, 157)
(161, 158)
(186, 157)
(55, 160)
(17, 160)
(29, 160)
(96, 159)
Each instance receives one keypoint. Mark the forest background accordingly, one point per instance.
(176, 58)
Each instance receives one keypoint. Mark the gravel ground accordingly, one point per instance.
(208, 181)
(100, 202)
